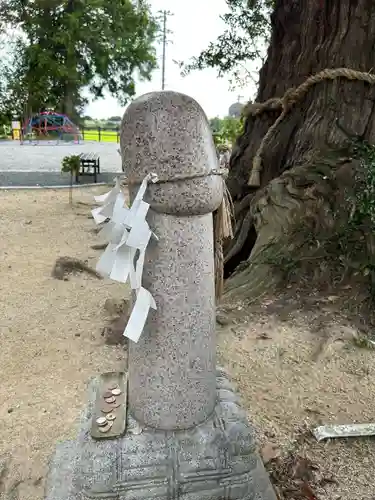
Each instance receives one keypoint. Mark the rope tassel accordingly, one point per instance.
(223, 229)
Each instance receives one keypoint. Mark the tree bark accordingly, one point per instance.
(307, 37)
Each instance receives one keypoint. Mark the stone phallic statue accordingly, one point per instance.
(187, 437)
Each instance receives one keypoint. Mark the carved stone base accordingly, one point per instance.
(213, 461)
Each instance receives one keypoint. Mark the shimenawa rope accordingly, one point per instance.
(284, 104)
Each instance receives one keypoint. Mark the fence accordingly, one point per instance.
(100, 134)
(97, 134)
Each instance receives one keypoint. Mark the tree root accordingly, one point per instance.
(244, 203)
(67, 265)
(241, 238)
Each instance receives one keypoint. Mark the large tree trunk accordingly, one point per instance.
(307, 36)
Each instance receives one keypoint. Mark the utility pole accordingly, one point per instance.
(164, 48)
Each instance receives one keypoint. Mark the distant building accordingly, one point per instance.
(235, 110)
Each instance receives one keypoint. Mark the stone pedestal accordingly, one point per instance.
(186, 438)
(213, 461)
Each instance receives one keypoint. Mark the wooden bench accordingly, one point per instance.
(89, 165)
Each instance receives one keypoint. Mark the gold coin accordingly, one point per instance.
(116, 392)
(111, 416)
(112, 399)
(101, 421)
(106, 427)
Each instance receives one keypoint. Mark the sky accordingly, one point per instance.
(194, 25)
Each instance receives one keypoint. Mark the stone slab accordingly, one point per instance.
(216, 460)
(117, 409)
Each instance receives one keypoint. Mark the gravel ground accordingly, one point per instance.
(40, 165)
(47, 157)
(295, 370)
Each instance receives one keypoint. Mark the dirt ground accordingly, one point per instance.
(295, 369)
(50, 330)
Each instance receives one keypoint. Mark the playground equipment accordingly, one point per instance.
(52, 126)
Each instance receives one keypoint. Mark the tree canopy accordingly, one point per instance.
(247, 30)
(65, 47)
(225, 130)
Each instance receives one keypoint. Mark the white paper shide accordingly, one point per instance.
(128, 234)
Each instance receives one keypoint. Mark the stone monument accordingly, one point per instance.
(186, 435)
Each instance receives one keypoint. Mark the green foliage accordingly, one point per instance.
(71, 45)
(226, 130)
(364, 201)
(247, 30)
(70, 164)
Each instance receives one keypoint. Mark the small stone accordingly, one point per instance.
(77, 334)
(10, 410)
(264, 336)
(222, 320)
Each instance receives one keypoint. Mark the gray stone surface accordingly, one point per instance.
(195, 443)
(214, 461)
(172, 367)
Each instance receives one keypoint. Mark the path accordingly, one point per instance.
(40, 165)
(47, 157)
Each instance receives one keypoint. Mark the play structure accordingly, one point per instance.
(49, 125)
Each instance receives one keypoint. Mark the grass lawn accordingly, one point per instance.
(105, 135)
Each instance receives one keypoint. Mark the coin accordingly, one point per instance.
(112, 399)
(101, 421)
(106, 427)
(110, 416)
(107, 409)
(107, 394)
(116, 392)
